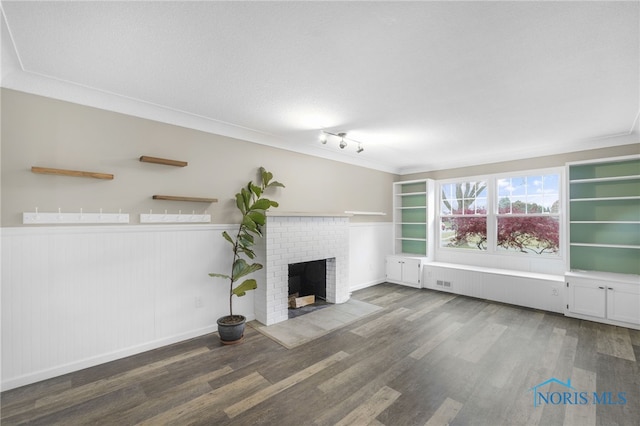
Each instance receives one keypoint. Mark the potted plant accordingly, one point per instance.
(253, 206)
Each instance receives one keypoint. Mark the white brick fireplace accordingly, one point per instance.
(295, 238)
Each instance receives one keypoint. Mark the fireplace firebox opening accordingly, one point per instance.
(308, 279)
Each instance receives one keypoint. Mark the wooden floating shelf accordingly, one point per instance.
(177, 198)
(75, 173)
(166, 162)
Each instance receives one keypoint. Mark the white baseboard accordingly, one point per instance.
(101, 359)
(367, 284)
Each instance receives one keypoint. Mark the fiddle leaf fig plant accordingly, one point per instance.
(253, 206)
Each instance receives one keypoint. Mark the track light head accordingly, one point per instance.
(343, 143)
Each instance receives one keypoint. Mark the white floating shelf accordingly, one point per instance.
(175, 218)
(358, 213)
(29, 218)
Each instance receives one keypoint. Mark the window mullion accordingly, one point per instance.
(492, 206)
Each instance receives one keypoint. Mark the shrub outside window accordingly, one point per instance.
(528, 214)
(463, 215)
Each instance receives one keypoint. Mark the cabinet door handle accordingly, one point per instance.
(610, 288)
(601, 287)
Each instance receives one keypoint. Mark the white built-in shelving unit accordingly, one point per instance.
(604, 215)
(603, 281)
(413, 215)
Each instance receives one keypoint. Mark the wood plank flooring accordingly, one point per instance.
(427, 358)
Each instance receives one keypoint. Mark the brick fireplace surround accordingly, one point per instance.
(301, 237)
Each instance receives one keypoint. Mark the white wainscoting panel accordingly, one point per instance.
(77, 296)
(73, 297)
(369, 244)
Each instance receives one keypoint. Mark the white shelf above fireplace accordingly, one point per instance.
(307, 214)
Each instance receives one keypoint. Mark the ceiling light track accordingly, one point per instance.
(342, 136)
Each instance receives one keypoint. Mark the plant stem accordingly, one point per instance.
(231, 281)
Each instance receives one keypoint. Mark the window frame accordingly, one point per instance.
(463, 215)
(492, 213)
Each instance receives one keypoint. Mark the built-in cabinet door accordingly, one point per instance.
(404, 270)
(411, 271)
(394, 269)
(586, 297)
(623, 302)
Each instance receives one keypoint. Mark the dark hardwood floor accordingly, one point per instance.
(428, 358)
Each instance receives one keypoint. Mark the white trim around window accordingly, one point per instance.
(521, 197)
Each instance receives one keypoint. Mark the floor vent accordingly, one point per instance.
(447, 284)
(440, 283)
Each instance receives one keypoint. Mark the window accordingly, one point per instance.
(528, 219)
(503, 214)
(463, 215)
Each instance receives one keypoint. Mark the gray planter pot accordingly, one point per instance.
(231, 329)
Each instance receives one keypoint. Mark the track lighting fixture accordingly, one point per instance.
(343, 144)
(324, 135)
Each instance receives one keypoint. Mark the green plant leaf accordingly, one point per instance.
(257, 231)
(255, 189)
(227, 237)
(242, 268)
(246, 285)
(275, 183)
(248, 252)
(257, 216)
(274, 204)
(246, 197)
(213, 274)
(266, 177)
(261, 204)
(243, 243)
(245, 239)
(249, 223)
(240, 203)
(245, 236)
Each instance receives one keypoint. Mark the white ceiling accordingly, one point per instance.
(424, 85)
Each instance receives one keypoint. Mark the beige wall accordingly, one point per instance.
(39, 131)
(528, 164)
